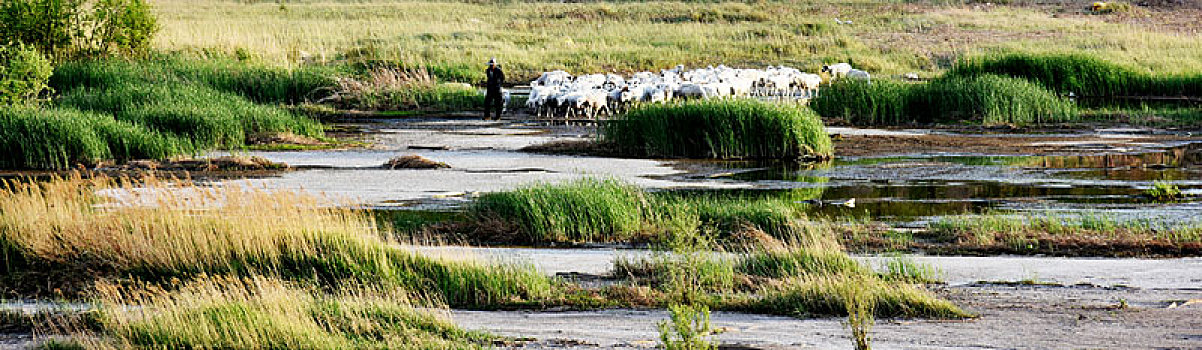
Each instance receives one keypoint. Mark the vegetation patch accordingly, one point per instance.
(394, 89)
(723, 129)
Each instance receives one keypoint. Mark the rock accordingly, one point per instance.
(413, 161)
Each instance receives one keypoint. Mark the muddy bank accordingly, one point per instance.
(855, 143)
(1011, 317)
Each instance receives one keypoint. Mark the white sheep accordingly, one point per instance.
(859, 75)
(837, 70)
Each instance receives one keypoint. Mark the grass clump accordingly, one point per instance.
(58, 227)
(829, 295)
(688, 329)
(1162, 191)
(987, 99)
(255, 82)
(584, 210)
(264, 313)
(721, 129)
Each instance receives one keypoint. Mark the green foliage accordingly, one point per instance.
(688, 330)
(207, 117)
(23, 73)
(800, 262)
(721, 129)
(1163, 191)
(72, 28)
(987, 99)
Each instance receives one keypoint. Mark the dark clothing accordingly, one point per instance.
(492, 95)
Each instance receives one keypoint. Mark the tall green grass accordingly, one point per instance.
(1083, 75)
(988, 99)
(59, 138)
(258, 83)
(584, 210)
(208, 117)
(153, 109)
(719, 129)
(604, 210)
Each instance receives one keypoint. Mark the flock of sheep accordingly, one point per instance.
(559, 94)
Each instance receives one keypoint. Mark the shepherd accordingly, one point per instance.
(492, 95)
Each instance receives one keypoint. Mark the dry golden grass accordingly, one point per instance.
(886, 37)
(265, 313)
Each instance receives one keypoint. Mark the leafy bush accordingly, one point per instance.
(23, 73)
(882, 102)
(70, 28)
(721, 129)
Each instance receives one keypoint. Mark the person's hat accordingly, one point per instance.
(492, 61)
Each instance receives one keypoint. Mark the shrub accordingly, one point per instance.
(721, 129)
(23, 73)
(70, 28)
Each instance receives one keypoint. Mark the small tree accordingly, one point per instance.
(68, 28)
(23, 74)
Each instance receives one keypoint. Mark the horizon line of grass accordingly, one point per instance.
(719, 128)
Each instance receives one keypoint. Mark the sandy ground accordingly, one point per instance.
(1011, 317)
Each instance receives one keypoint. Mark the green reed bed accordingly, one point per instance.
(1083, 75)
(986, 99)
(721, 129)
